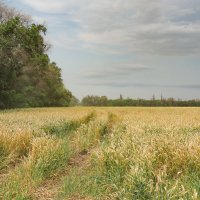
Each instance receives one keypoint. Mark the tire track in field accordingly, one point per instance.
(80, 161)
(70, 126)
(50, 188)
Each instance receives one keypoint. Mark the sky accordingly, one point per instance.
(137, 48)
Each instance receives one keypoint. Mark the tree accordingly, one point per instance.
(94, 101)
(56, 92)
(74, 101)
(27, 77)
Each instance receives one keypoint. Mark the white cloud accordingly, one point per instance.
(115, 70)
(48, 6)
(63, 40)
(167, 27)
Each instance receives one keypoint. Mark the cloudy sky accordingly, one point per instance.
(136, 48)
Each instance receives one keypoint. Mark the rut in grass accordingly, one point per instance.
(13, 149)
(79, 178)
(51, 187)
(79, 162)
(47, 156)
(152, 154)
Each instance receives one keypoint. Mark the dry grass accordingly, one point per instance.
(131, 153)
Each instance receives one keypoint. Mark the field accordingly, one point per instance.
(100, 153)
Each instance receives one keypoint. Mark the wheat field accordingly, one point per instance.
(100, 153)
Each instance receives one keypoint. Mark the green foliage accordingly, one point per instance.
(64, 128)
(94, 101)
(104, 101)
(27, 77)
(74, 101)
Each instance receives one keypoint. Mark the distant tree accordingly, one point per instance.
(94, 101)
(161, 97)
(74, 101)
(97, 101)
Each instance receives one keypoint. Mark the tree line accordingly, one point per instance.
(92, 100)
(27, 76)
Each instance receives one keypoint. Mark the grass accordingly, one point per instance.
(43, 156)
(64, 128)
(13, 147)
(101, 153)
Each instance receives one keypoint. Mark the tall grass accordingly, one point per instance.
(149, 156)
(135, 153)
(46, 157)
(42, 157)
(136, 164)
(13, 147)
(64, 128)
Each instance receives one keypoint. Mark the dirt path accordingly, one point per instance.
(50, 188)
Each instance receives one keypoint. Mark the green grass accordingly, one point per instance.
(47, 157)
(64, 128)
